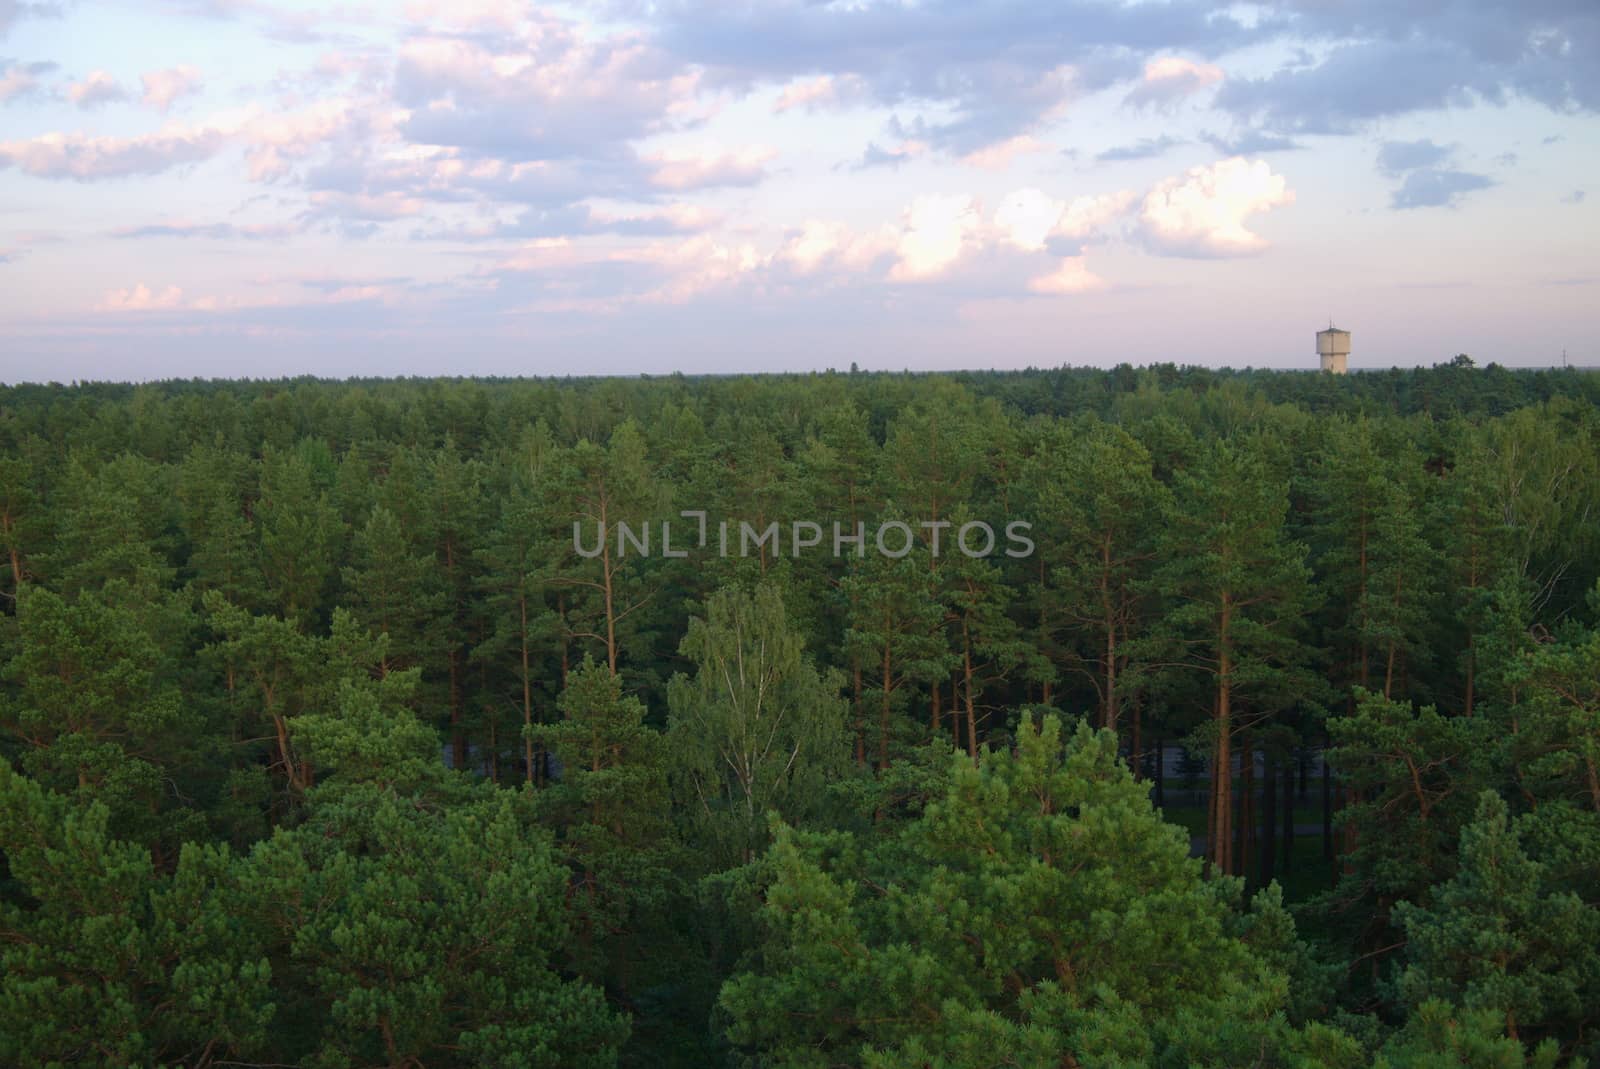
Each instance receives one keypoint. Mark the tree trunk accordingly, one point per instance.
(972, 712)
(1268, 839)
(883, 713)
(1137, 754)
(1247, 808)
(1111, 711)
(1288, 816)
(1222, 774)
(861, 731)
(527, 694)
(1161, 773)
(458, 737)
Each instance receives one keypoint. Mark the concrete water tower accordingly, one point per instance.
(1333, 347)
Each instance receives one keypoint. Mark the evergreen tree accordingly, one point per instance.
(394, 590)
(301, 535)
(611, 808)
(1236, 591)
(1019, 921)
(1495, 938)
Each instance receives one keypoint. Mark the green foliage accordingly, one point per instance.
(422, 935)
(1497, 937)
(757, 730)
(611, 810)
(1040, 913)
(324, 744)
(105, 962)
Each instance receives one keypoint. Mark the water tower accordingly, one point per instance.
(1333, 347)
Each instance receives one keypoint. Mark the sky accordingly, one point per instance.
(259, 188)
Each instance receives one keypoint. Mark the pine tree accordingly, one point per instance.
(99, 712)
(516, 573)
(395, 590)
(611, 809)
(1236, 591)
(104, 961)
(1093, 491)
(895, 636)
(1019, 921)
(301, 536)
(607, 487)
(1494, 938)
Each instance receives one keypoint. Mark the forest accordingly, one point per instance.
(339, 726)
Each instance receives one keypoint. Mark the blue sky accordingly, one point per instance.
(259, 188)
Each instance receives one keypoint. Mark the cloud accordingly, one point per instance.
(1203, 212)
(985, 71)
(1428, 179)
(1143, 149)
(892, 157)
(208, 231)
(1026, 217)
(817, 243)
(1366, 60)
(163, 88)
(680, 171)
(574, 220)
(88, 159)
(936, 230)
(1033, 221)
(1086, 216)
(1433, 187)
(1250, 143)
(550, 91)
(502, 16)
(999, 156)
(97, 89)
(141, 298)
(14, 11)
(18, 80)
(1397, 157)
(823, 92)
(1168, 79)
(275, 142)
(1072, 276)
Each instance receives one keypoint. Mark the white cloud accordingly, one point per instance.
(163, 88)
(98, 88)
(1087, 216)
(1001, 154)
(1026, 217)
(1029, 218)
(502, 15)
(141, 298)
(827, 91)
(935, 232)
(57, 155)
(1203, 212)
(1171, 78)
(276, 141)
(19, 79)
(1071, 276)
(704, 170)
(817, 244)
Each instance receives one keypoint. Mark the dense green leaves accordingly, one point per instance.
(373, 724)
